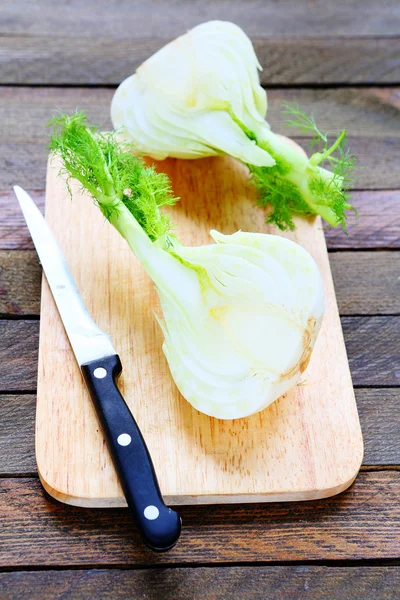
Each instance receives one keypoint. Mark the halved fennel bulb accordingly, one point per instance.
(240, 317)
(185, 100)
(200, 95)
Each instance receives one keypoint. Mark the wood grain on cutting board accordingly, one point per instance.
(306, 445)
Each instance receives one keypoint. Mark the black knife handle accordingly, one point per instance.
(159, 526)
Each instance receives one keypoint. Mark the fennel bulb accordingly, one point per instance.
(200, 95)
(240, 316)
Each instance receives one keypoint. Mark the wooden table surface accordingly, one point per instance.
(342, 61)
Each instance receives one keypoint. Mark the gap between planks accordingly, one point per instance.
(334, 564)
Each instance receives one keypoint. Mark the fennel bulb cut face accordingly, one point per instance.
(240, 318)
(182, 100)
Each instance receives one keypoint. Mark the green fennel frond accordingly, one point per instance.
(336, 155)
(343, 163)
(111, 174)
(280, 195)
(319, 185)
(297, 117)
(335, 192)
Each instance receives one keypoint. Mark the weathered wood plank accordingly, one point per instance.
(379, 411)
(17, 418)
(25, 163)
(373, 349)
(296, 41)
(60, 60)
(14, 234)
(218, 583)
(366, 283)
(25, 111)
(362, 523)
(160, 19)
(370, 116)
(20, 278)
(378, 225)
(367, 112)
(18, 355)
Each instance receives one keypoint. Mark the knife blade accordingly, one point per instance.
(100, 365)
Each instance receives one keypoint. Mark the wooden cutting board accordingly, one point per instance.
(306, 445)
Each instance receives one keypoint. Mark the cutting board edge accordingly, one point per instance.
(119, 501)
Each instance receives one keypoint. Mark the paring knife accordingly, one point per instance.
(159, 526)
